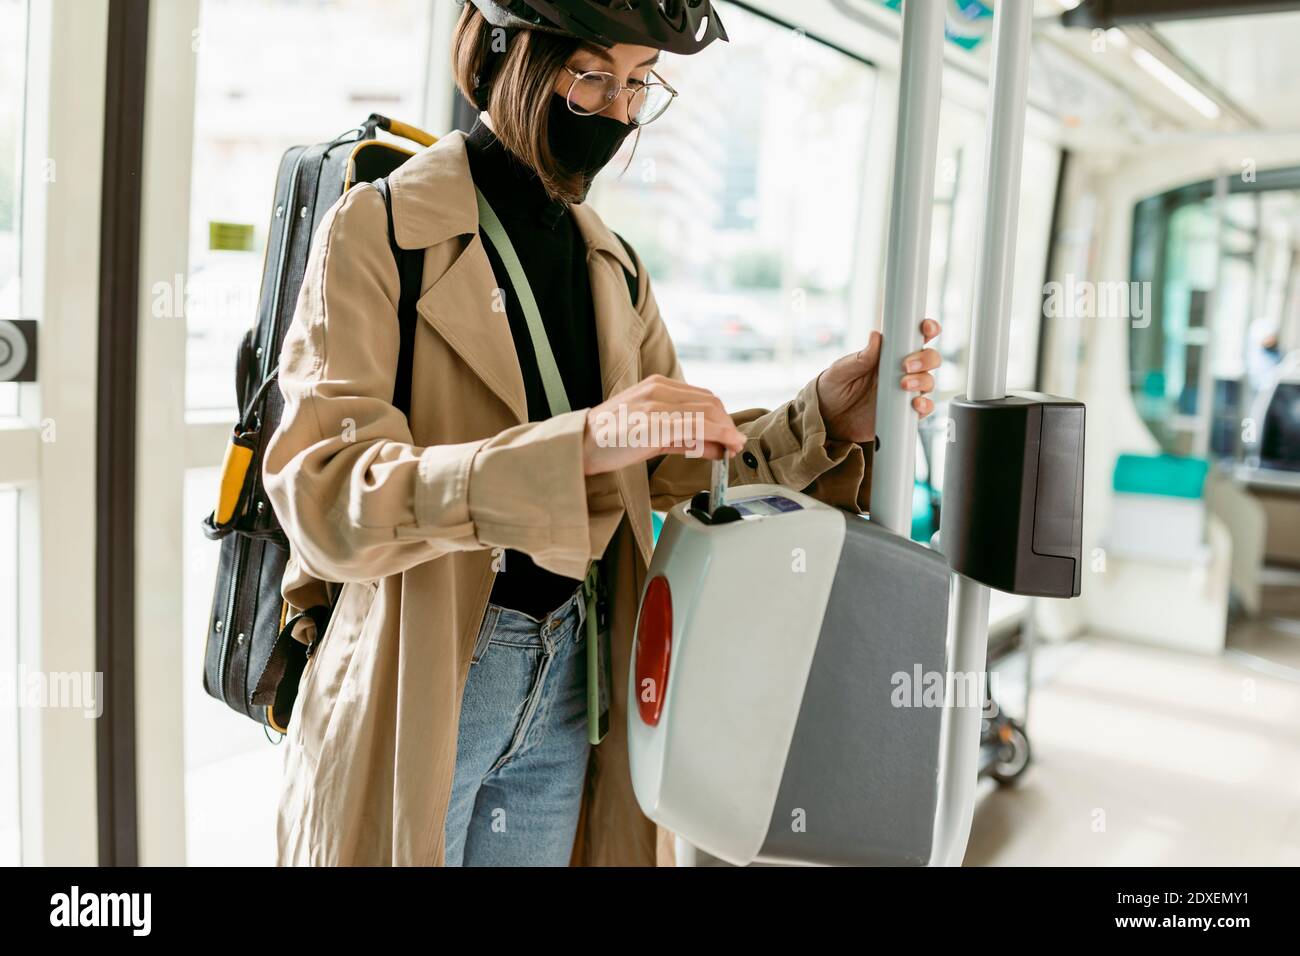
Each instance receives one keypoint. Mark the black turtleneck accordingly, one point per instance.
(553, 254)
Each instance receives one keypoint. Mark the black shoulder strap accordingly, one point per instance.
(410, 267)
(630, 276)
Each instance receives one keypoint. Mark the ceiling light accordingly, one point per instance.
(1190, 94)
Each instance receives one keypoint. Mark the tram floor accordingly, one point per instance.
(1150, 757)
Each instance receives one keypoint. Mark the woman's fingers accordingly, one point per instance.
(712, 451)
(664, 389)
(869, 357)
(690, 424)
(919, 383)
(924, 360)
(919, 365)
(666, 415)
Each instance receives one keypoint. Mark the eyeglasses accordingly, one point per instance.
(593, 91)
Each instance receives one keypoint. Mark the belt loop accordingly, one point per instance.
(555, 618)
(549, 625)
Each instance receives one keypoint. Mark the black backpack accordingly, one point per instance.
(251, 660)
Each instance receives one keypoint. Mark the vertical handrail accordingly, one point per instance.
(987, 380)
(1201, 438)
(908, 259)
(991, 320)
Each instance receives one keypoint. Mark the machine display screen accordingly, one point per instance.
(764, 505)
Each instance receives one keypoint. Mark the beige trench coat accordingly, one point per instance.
(408, 518)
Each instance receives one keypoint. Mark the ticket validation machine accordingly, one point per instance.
(782, 701)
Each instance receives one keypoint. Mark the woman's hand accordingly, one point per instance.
(846, 390)
(656, 416)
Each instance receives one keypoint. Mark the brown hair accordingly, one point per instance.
(520, 96)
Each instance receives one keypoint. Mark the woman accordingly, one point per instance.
(443, 718)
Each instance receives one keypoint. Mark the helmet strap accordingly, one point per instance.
(492, 60)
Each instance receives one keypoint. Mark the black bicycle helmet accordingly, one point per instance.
(677, 26)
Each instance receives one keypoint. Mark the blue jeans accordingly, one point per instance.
(521, 752)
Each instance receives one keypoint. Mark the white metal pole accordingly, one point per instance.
(684, 853)
(990, 334)
(991, 321)
(1209, 322)
(908, 262)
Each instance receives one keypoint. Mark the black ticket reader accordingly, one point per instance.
(1013, 493)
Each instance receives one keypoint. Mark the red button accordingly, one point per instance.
(654, 641)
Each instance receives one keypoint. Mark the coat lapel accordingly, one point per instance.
(433, 204)
(619, 326)
(464, 308)
(434, 208)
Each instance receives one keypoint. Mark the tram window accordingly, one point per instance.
(952, 253)
(13, 69)
(742, 201)
(954, 242)
(1039, 169)
(309, 76)
(1222, 295)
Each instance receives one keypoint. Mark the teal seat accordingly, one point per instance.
(1173, 476)
(924, 498)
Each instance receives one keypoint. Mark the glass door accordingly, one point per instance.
(13, 76)
(243, 81)
(52, 56)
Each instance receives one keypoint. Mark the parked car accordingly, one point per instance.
(725, 337)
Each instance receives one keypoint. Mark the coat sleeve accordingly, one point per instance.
(786, 446)
(357, 499)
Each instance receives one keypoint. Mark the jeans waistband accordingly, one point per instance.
(573, 610)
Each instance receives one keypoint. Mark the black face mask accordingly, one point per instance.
(584, 144)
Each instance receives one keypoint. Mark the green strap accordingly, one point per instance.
(595, 670)
(558, 400)
(556, 397)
